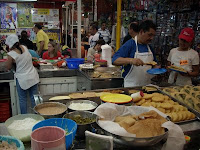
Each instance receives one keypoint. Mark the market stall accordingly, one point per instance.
(182, 115)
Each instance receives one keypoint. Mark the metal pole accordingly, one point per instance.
(66, 21)
(79, 28)
(72, 26)
(118, 31)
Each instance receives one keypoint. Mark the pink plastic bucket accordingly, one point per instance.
(48, 138)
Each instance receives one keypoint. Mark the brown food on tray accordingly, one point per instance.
(164, 104)
(190, 95)
(133, 91)
(114, 91)
(147, 124)
(102, 93)
(77, 95)
(89, 94)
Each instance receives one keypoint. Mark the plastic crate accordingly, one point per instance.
(73, 63)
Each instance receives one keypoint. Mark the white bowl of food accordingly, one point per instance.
(82, 105)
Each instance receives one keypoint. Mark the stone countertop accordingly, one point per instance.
(58, 73)
(44, 73)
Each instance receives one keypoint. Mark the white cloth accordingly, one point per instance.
(25, 72)
(11, 40)
(113, 39)
(175, 57)
(94, 39)
(138, 76)
(105, 34)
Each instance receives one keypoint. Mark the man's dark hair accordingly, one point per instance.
(103, 22)
(134, 26)
(24, 35)
(94, 26)
(38, 26)
(100, 42)
(146, 25)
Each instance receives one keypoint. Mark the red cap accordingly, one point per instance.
(187, 34)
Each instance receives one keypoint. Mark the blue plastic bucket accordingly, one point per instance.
(73, 63)
(11, 139)
(67, 124)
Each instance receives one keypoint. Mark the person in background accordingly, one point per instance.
(84, 47)
(25, 41)
(27, 78)
(42, 39)
(95, 50)
(132, 31)
(134, 53)
(53, 51)
(184, 57)
(104, 33)
(66, 52)
(94, 35)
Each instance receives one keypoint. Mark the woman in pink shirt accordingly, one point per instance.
(53, 51)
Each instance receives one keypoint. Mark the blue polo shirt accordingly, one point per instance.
(128, 51)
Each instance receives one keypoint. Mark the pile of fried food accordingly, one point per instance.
(4, 145)
(166, 105)
(93, 94)
(177, 68)
(97, 74)
(147, 124)
(190, 95)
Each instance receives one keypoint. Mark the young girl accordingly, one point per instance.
(26, 75)
(184, 57)
(53, 52)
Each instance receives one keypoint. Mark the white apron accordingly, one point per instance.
(137, 75)
(177, 78)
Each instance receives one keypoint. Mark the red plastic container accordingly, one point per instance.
(4, 110)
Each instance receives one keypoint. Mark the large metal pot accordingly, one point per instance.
(51, 104)
(82, 127)
(134, 141)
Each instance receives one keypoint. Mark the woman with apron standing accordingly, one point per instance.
(184, 57)
(134, 54)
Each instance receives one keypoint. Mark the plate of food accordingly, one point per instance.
(116, 98)
(177, 69)
(156, 71)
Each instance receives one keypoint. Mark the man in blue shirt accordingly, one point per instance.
(134, 54)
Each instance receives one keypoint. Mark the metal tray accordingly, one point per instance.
(176, 100)
(172, 98)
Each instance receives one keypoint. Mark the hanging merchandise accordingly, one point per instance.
(24, 15)
(8, 15)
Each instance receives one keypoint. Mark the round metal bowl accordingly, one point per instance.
(81, 101)
(134, 141)
(51, 104)
(82, 127)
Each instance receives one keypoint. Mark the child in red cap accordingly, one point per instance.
(184, 57)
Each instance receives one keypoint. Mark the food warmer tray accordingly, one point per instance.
(176, 100)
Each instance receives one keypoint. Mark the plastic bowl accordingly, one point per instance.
(11, 139)
(67, 124)
(73, 63)
(23, 135)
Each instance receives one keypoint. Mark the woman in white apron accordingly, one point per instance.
(184, 57)
(138, 76)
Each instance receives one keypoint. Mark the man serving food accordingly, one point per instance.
(135, 55)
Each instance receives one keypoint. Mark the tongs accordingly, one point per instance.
(38, 99)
